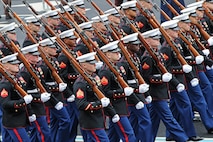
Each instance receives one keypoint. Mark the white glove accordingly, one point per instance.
(45, 97)
(148, 99)
(71, 98)
(206, 52)
(62, 87)
(59, 106)
(32, 118)
(194, 82)
(105, 102)
(28, 99)
(143, 88)
(187, 68)
(180, 87)
(209, 68)
(128, 91)
(199, 59)
(166, 77)
(115, 118)
(99, 64)
(210, 41)
(139, 105)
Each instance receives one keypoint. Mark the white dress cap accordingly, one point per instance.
(132, 38)
(33, 19)
(68, 9)
(88, 57)
(32, 49)
(48, 42)
(155, 34)
(79, 3)
(68, 34)
(12, 59)
(52, 14)
(190, 10)
(86, 25)
(171, 24)
(9, 28)
(198, 4)
(183, 17)
(111, 47)
(100, 18)
(129, 4)
(113, 11)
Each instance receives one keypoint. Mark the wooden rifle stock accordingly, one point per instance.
(42, 54)
(11, 79)
(153, 21)
(146, 45)
(122, 47)
(202, 47)
(171, 8)
(208, 12)
(179, 4)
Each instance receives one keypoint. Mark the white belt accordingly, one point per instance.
(131, 81)
(32, 91)
(50, 83)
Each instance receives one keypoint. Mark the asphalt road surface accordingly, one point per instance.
(40, 7)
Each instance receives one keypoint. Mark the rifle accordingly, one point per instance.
(180, 33)
(202, 31)
(85, 38)
(43, 55)
(153, 21)
(126, 54)
(140, 37)
(12, 80)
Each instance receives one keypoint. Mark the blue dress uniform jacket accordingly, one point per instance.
(91, 115)
(151, 74)
(13, 106)
(113, 90)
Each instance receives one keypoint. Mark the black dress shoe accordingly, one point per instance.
(170, 139)
(195, 138)
(210, 131)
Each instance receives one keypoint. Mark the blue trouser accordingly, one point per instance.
(181, 108)
(59, 125)
(73, 114)
(198, 102)
(39, 130)
(209, 74)
(159, 110)
(15, 135)
(141, 123)
(122, 130)
(96, 136)
(207, 90)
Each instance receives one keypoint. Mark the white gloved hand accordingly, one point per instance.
(206, 52)
(194, 82)
(209, 68)
(28, 99)
(166, 77)
(180, 87)
(71, 98)
(143, 88)
(199, 59)
(128, 91)
(115, 118)
(210, 41)
(105, 102)
(148, 99)
(59, 106)
(139, 105)
(32, 118)
(45, 97)
(187, 68)
(62, 87)
(99, 64)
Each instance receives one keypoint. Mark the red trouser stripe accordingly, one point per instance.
(122, 131)
(39, 130)
(17, 135)
(93, 133)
